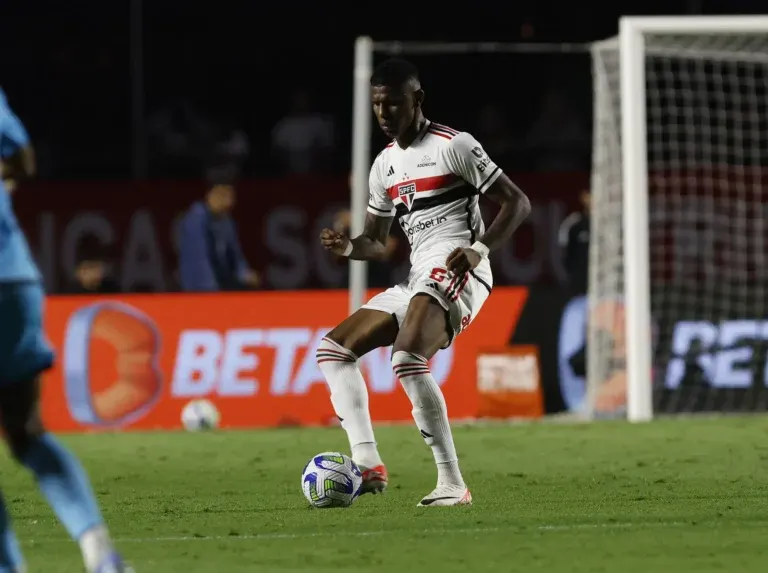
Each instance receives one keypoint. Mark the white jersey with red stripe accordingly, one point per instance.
(433, 187)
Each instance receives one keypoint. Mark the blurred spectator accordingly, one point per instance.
(210, 256)
(230, 145)
(558, 140)
(180, 137)
(574, 244)
(92, 276)
(303, 140)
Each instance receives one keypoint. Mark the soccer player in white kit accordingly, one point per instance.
(429, 177)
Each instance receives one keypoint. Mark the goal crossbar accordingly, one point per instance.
(733, 25)
(395, 48)
(689, 53)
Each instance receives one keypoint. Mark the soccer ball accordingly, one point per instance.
(331, 479)
(199, 415)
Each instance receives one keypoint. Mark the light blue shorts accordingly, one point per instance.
(24, 348)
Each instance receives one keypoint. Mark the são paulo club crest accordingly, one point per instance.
(406, 193)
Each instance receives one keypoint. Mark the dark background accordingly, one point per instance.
(67, 66)
(92, 80)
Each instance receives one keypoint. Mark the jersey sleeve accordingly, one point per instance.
(466, 158)
(379, 202)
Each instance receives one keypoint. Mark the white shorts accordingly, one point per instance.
(462, 297)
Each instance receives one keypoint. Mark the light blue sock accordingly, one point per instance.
(11, 559)
(64, 484)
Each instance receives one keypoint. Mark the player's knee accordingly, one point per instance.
(336, 337)
(331, 353)
(341, 339)
(424, 330)
(417, 338)
(408, 340)
(20, 437)
(21, 431)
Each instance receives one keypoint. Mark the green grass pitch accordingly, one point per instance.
(673, 496)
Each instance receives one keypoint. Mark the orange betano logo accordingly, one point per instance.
(111, 375)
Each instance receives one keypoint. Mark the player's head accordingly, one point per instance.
(221, 176)
(396, 95)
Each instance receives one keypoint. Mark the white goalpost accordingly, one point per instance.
(679, 246)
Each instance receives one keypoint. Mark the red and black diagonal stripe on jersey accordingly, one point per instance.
(442, 131)
(420, 203)
(423, 184)
(434, 183)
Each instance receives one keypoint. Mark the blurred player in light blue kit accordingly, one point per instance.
(24, 355)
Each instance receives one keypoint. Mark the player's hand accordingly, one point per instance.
(334, 242)
(461, 261)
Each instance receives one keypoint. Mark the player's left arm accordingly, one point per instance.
(467, 158)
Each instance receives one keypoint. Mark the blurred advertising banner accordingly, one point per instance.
(509, 382)
(555, 324)
(712, 356)
(279, 221)
(134, 361)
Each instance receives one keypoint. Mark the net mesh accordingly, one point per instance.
(707, 135)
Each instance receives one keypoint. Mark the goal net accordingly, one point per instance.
(703, 148)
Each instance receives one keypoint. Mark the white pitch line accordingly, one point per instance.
(305, 535)
(310, 535)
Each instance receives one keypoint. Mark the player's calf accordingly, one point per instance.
(429, 412)
(60, 477)
(431, 416)
(349, 397)
(424, 331)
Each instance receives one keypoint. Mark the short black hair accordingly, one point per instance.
(393, 73)
(221, 172)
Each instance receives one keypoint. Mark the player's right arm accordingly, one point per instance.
(371, 244)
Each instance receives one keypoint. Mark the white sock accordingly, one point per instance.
(349, 397)
(429, 412)
(95, 545)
